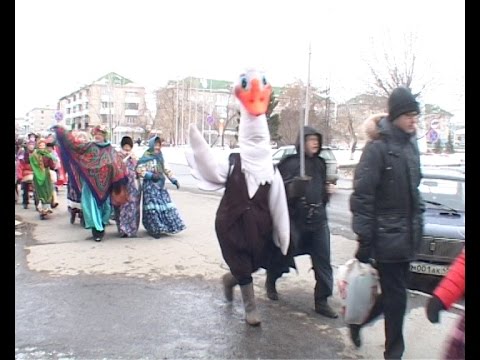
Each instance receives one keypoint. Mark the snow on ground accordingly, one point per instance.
(176, 155)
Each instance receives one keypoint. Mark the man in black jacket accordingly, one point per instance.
(309, 229)
(387, 211)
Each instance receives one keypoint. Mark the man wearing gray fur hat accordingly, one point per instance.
(387, 211)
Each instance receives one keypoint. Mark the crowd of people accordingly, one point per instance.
(267, 215)
(101, 182)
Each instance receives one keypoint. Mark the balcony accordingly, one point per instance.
(107, 111)
(132, 99)
(131, 112)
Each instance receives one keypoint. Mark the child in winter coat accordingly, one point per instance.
(449, 290)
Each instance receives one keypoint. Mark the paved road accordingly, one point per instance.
(148, 298)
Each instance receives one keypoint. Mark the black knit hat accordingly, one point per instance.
(401, 101)
(126, 140)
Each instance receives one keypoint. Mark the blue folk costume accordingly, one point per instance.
(127, 216)
(160, 215)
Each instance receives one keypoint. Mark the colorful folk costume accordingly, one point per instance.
(25, 172)
(74, 195)
(42, 162)
(252, 217)
(127, 216)
(94, 169)
(159, 213)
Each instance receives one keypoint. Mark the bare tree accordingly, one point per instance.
(396, 64)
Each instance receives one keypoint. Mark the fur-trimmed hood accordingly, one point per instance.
(372, 126)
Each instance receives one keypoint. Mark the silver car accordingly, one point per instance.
(443, 192)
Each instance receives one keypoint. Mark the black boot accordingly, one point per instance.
(322, 308)
(73, 214)
(270, 281)
(355, 334)
(97, 235)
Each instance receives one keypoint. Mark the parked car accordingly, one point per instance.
(326, 153)
(443, 191)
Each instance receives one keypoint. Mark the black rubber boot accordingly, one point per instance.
(355, 334)
(270, 281)
(322, 308)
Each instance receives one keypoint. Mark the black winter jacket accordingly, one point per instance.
(315, 191)
(386, 204)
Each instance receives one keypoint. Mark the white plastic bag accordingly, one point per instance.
(358, 287)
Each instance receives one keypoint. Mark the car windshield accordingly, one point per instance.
(449, 193)
(327, 154)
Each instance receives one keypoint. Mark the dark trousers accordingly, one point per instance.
(25, 186)
(316, 243)
(392, 302)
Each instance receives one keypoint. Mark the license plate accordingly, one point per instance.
(426, 268)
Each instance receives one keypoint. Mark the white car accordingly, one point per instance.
(326, 153)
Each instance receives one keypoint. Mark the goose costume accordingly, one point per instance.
(252, 217)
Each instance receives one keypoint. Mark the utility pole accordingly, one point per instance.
(305, 122)
(182, 116)
(176, 116)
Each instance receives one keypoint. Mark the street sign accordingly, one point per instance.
(59, 116)
(435, 124)
(210, 120)
(432, 136)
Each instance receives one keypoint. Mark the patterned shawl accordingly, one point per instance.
(97, 164)
(150, 155)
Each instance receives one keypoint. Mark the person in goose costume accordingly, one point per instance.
(252, 217)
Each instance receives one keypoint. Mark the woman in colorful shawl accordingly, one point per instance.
(127, 216)
(95, 169)
(42, 162)
(74, 195)
(160, 215)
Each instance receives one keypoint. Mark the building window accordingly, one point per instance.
(131, 106)
(105, 104)
(86, 106)
(80, 95)
(74, 97)
(104, 119)
(41, 112)
(80, 107)
(68, 110)
(131, 119)
(67, 121)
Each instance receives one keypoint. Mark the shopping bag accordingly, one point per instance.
(359, 287)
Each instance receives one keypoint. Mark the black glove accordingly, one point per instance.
(434, 306)
(175, 182)
(364, 253)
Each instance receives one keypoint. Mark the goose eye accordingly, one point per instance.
(244, 83)
(264, 81)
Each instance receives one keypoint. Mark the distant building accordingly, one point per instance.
(22, 126)
(208, 103)
(112, 100)
(39, 120)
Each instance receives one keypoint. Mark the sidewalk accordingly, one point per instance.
(62, 249)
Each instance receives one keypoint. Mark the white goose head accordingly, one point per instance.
(253, 91)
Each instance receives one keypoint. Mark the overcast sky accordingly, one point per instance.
(61, 45)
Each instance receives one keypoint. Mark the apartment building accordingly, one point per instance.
(39, 119)
(112, 100)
